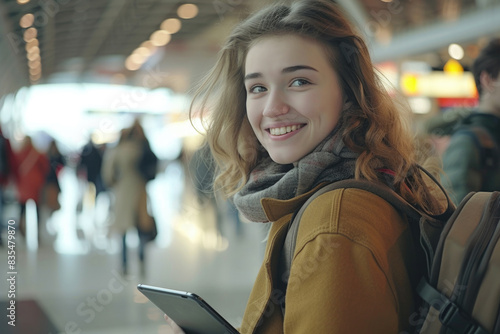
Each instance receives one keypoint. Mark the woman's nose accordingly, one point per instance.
(276, 105)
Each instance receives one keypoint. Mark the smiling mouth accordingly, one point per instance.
(284, 130)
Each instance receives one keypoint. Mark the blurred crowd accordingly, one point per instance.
(30, 174)
(33, 175)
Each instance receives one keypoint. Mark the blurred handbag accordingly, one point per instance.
(147, 231)
(148, 163)
(145, 222)
(51, 196)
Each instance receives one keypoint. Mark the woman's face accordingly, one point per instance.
(294, 99)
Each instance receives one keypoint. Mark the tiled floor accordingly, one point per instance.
(74, 275)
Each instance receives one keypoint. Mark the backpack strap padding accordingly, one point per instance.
(487, 303)
(455, 242)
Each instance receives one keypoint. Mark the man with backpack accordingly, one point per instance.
(472, 160)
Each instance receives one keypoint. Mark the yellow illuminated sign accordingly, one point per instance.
(439, 84)
(453, 67)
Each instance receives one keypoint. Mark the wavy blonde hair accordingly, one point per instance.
(372, 126)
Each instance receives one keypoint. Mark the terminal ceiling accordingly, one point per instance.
(89, 40)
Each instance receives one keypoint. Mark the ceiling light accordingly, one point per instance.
(384, 36)
(30, 34)
(160, 38)
(27, 20)
(35, 70)
(142, 50)
(171, 25)
(33, 56)
(420, 105)
(131, 65)
(137, 58)
(22, 2)
(34, 64)
(456, 51)
(187, 11)
(148, 45)
(32, 43)
(36, 77)
(32, 49)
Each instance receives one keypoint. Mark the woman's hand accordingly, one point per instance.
(174, 329)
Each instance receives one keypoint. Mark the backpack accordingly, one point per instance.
(458, 255)
(148, 163)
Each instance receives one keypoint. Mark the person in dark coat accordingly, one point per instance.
(90, 164)
(471, 161)
(7, 172)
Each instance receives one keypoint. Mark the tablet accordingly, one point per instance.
(188, 310)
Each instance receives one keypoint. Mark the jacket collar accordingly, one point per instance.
(276, 208)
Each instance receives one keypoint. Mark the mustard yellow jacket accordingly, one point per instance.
(350, 272)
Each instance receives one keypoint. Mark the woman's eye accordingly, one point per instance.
(257, 89)
(299, 83)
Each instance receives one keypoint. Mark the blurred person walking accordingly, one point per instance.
(121, 171)
(471, 161)
(52, 188)
(32, 170)
(202, 168)
(90, 165)
(201, 171)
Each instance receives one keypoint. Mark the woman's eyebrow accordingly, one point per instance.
(253, 76)
(297, 68)
(285, 70)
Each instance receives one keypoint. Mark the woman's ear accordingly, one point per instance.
(486, 82)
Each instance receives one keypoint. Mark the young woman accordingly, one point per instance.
(293, 103)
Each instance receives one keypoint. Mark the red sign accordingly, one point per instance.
(450, 102)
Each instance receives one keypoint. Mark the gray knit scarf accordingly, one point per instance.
(330, 161)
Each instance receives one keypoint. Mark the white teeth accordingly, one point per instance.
(283, 130)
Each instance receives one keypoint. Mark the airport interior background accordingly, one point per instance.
(79, 71)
